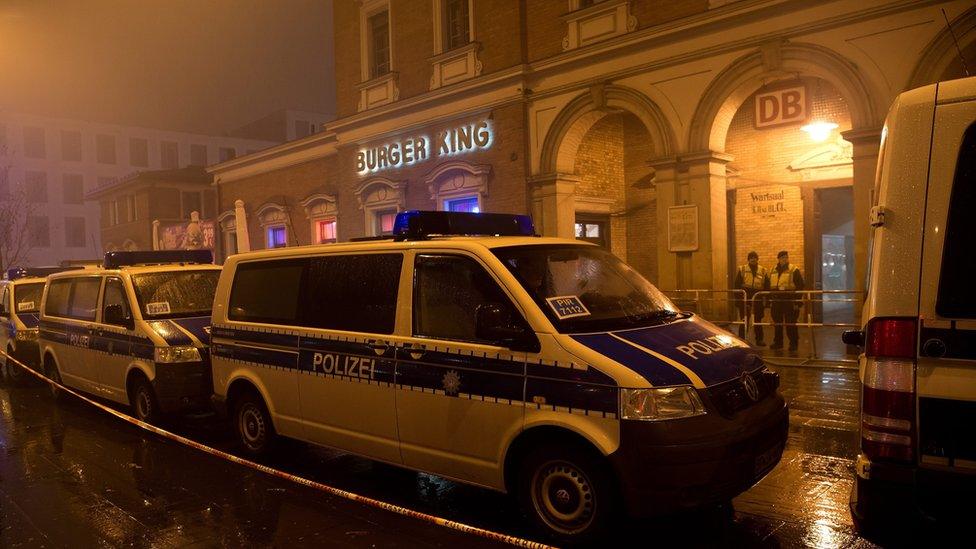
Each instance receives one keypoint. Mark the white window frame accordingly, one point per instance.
(596, 23)
(321, 207)
(458, 64)
(382, 89)
(378, 195)
(454, 180)
(228, 225)
(273, 215)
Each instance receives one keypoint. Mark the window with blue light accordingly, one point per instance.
(466, 204)
(277, 236)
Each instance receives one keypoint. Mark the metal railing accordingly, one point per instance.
(821, 314)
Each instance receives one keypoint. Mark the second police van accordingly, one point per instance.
(20, 305)
(540, 366)
(134, 331)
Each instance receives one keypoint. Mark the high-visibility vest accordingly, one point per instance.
(782, 280)
(753, 281)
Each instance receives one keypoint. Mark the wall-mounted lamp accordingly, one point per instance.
(819, 131)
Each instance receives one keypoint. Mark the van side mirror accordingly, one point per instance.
(853, 337)
(494, 322)
(115, 314)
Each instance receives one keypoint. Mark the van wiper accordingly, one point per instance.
(663, 316)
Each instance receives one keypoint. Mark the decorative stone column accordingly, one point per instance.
(240, 220)
(554, 204)
(693, 179)
(867, 143)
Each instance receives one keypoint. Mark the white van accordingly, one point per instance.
(20, 306)
(542, 366)
(918, 369)
(134, 331)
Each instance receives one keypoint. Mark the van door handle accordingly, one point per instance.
(415, 350)
(378, 347)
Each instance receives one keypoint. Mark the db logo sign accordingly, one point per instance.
(782, 106)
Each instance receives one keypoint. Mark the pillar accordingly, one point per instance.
(240, 221)
(554, 204)
(695, 179)
(867, 143)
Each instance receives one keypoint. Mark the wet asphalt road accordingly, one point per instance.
(72, 475)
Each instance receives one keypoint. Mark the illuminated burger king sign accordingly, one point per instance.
(412, 150)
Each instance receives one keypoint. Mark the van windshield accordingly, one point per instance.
(27, 297)
(175, 294)
(586, 288)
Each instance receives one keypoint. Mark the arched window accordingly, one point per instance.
(458, 186)
(322, 213)
(380, 200)
(228, 233)
(274, 225)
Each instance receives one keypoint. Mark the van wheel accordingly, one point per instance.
(253, 424)
(568, 492)
(11, 370)
(51, 371)
(143, 401)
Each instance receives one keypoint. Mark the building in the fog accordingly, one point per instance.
(150, 210)
(680, 135)
(52, 165)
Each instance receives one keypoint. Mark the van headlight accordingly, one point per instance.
(178, 353)
(27, 334)
(658, 404)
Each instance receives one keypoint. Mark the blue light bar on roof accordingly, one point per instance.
(23, 272)
(114, 260)
(416, 224)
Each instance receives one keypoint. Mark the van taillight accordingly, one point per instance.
(888, 396)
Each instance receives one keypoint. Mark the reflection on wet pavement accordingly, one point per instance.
(72, 475)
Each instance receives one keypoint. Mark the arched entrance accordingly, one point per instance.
(596, 183)
(727, 120)
(940, 60)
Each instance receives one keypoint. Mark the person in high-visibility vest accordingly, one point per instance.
(784, 281)
(752, 278)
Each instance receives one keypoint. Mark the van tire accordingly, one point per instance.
(568, 492)
(253, 425)
(142, 400)
(52, 373)
(12, 372)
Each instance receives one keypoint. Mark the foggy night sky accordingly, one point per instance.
(205, 66)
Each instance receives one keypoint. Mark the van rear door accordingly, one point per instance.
(946, 375)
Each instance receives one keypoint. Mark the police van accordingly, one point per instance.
(20, 305)
(134, 331)
(918, 367)
(541, 366)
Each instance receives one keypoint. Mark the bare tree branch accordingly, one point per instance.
(15, 211)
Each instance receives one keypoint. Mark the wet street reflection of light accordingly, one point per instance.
(81, 477)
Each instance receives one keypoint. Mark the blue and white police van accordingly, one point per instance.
(467, 347)
(134, 331)
(20, 305)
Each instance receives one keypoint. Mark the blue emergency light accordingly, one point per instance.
(14, 273)
(418, 225)
(114, 260)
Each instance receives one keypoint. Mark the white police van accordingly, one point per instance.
(134, 331)
(542, 366)
(918, 369)
(20, 305)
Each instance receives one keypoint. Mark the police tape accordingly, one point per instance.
(331, 490)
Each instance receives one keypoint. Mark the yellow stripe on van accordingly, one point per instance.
(695, 380)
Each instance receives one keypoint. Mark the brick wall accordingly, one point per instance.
(641, 211)
(411, 23)
(612, 164)
(347, 68)
(655, 12)
(600, 166)
(763, 155)
(498, 27)
(768, 219)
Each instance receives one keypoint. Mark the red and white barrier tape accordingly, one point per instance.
(439, 521)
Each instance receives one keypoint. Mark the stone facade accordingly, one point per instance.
(622, 109)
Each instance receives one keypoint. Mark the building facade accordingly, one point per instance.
(680, 135)
(49, 166)
(150, 210)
